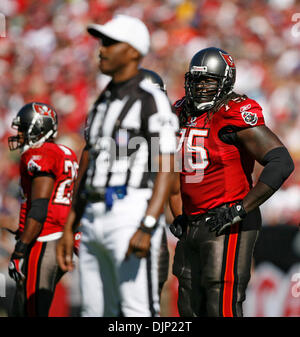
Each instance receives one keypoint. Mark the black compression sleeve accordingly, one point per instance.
(39, 210)
(278, 165)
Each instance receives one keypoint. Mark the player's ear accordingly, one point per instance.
(134, 54)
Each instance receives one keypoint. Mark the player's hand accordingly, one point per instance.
(218, 219)
(16, 263)
(15, 266)
(178, 226)
(64, 251)
(139, 244)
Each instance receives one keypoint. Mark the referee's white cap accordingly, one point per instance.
(124, 28)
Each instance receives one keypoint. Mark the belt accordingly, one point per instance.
(94, 196)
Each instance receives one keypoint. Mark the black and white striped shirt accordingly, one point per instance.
(130, 124)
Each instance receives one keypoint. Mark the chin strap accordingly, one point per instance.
(204, 106)
(40, 142)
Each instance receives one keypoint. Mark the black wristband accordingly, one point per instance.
(145, 229)
(21, 247)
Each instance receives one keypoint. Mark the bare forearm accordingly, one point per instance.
(160, 193)
(71, 223)
(31, 231)
(162, 186)
(269, 151)
(257, 196)
(78, 204)
(175, 203)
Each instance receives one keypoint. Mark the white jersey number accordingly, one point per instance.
(64, 191)
(196, 155)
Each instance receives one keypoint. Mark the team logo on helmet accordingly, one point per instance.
(44, 110)
(228, 59)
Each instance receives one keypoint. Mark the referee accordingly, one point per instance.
(125, 175)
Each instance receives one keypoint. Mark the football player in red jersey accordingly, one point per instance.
(47, 173)
(215, 204)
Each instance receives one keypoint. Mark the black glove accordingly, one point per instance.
(220, 218)
(179, 225)
(17, 261)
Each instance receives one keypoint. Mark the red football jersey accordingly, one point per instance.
(60, 162)
(213, 172)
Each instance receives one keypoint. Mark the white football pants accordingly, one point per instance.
(111, 285)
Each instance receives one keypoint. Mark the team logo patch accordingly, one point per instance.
(32, 166)
(228, 59)
(250, 117)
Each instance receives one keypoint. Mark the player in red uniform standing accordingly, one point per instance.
(47, 174)
(215, 203)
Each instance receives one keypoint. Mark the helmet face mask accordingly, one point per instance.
(204, 90)
(210, 78)
(35, 123)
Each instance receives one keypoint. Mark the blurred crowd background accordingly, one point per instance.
(47, 55)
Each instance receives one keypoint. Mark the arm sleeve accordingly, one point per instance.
(278, 166)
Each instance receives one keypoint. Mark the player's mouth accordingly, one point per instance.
(102, 58)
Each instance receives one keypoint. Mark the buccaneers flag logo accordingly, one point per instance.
(228, 59)
(44, 110)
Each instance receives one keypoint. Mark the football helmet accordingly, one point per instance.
(211, 76)
(35, 123)
(153, 78)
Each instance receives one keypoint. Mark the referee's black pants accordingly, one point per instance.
(213, 271)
